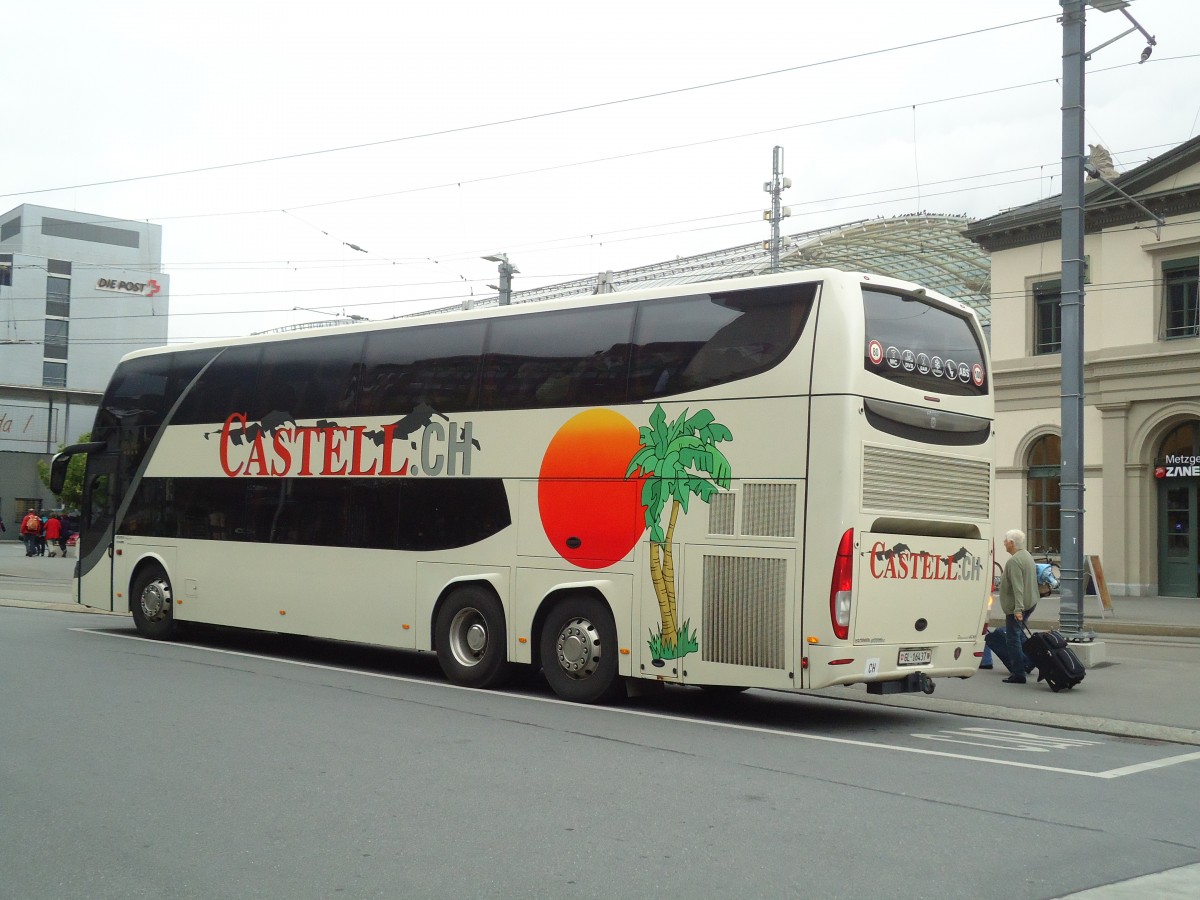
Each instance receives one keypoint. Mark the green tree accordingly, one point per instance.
(680, 460)
(72, 492)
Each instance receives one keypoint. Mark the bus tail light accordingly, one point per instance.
(842, 586)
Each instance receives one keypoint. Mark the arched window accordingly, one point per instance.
(1180, 441)
(1043, 495)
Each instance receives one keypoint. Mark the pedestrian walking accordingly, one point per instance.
(53, 534)
(1018, 597)
(31, 527)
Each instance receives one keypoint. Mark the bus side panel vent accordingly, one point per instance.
(769, 510)
(743, 611)
(914, 484)
(721, 511)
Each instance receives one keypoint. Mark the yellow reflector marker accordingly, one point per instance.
(813, 640)
(283, 612)
(522, 640)
(406, 627)
(624, 651)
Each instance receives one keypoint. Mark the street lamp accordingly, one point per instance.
(507, 270)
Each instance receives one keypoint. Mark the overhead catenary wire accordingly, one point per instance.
(536, 116)
(532, 246)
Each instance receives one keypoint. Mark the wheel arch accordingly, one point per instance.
(144, 562)
(492, 583)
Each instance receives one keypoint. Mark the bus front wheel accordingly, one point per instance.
(472, 641)
(151, 604)
(579, 651)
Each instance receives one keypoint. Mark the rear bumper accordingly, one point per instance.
(877, 664)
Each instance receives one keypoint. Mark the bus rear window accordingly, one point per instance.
(919, 344)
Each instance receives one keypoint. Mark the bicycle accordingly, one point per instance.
(1049, 574)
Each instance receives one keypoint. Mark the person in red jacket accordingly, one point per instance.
(31, 527)
(54, 534)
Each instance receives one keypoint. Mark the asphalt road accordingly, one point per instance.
(244, 765)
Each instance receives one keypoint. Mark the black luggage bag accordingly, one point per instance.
(1056, 662)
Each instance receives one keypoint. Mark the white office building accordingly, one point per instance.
(77, 292)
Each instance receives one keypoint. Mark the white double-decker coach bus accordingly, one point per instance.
(780, 482)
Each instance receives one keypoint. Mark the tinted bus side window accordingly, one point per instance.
(433, 364)
(423, 514)
(576, 357)
(309, 379)
(687, 343)
(226, 387)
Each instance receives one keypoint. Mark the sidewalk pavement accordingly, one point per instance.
(1147, 688)
(1159, 616)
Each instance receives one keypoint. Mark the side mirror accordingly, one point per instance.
(58, 465)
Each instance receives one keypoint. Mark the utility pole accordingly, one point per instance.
(1071, 586)
(507, 270)
(777, 213)
(1074, 164)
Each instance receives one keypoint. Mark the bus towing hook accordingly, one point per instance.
(925, 683)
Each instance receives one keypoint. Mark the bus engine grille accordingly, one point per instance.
(925, 484)
(743, 607)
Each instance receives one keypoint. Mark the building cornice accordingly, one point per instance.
(1112, 378)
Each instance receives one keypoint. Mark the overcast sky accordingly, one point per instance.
(575, 137)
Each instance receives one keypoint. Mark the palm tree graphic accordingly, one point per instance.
(678, 460)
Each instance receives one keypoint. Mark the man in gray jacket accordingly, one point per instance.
(1018, 595)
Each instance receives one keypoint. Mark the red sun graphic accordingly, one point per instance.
(592, 515)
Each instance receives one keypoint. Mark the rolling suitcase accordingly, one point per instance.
(1056, 662)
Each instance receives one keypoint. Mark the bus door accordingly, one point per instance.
(95, 581)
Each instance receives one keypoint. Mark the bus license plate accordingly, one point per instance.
(921, 657)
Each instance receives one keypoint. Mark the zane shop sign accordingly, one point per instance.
(1178, 466)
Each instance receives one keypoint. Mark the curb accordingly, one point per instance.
(1092, 724)
(1101, 627)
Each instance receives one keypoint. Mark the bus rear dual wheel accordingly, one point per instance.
(578, 649)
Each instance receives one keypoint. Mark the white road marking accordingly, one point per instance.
(755, 729)
(1006, 739)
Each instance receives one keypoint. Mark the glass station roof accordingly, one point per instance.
(930, 250)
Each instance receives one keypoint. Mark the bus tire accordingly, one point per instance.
(579, 651)
(471, 638)
(152, 604)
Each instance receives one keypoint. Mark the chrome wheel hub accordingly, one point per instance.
(578, 648)
(155, 599)
(468, 636)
